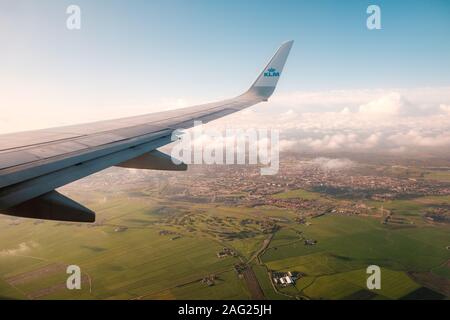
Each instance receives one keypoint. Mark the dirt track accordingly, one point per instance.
(253, 286)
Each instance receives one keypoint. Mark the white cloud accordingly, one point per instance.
(373, 140)
(333, 164)
(312, 101)
(394, 121)
(390, 104)
(421, 139)
(22, 248)
(445, 108)
(389, 120)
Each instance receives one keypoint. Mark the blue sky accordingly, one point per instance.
(137, 52)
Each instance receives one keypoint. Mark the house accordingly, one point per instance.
(285, 278)
(310, 242)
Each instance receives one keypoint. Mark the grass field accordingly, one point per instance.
(443, 176)
(124, 256)
(126, 264)
(395, 285)
(335, 267)
(226, 287)
(300, 193)
(265, 283)
(134, 262)
(410, 207)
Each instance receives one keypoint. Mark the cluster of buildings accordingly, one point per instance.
(284, 279)
(240, 268)
(166, 232)
(237, 184)
(438, 215)
(209, 280)
(120, 229)
(310, 242)
(226, 252)
(244, 185)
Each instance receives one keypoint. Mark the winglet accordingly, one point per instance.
(267, 81)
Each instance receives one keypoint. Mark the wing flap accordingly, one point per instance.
(52, 206)
(14, 195)
(155, 160)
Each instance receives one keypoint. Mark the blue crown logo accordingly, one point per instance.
(271, 72)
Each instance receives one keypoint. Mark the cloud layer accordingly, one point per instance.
(369, 120)
(392, 121)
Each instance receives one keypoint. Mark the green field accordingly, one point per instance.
(300, 193)
(335, 267)
(125, 256)
(443, 176)
(395, 285)
(122, 264)
(411, 208)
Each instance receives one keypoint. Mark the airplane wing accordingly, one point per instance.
(33, 164)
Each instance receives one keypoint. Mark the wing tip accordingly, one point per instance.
(265, 84)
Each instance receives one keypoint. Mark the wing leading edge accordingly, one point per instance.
(34, 164)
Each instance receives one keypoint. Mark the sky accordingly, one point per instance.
(133, 57)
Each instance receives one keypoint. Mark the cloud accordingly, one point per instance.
(420, 139)
(390, 104)
(334, 142)
(392, 121)
(20, 249)
(333, 164)
(378, 120)
(445, 108)
(333, 100)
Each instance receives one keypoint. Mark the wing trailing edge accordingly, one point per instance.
(53, 206)
(155, 160)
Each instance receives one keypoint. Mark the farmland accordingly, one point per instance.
(335, 267)
(162, 238)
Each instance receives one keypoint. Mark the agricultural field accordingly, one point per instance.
(411, 207)
(300, 193)
(122, 257)
(147, 245)
(334, 268)
(443, 176)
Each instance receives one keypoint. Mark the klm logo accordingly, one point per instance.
(272, 72)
